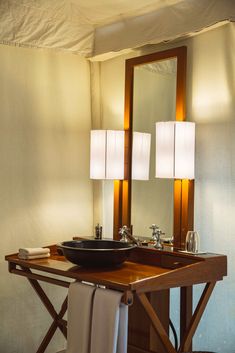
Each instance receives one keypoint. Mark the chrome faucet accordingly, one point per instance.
(126, 236)
(156, 236)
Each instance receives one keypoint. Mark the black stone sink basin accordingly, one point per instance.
(96, 253)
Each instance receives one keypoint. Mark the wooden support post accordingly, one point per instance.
(156, 322)
(183, 210)
(185, 345)
(160, 301)
(117, 215)
(186, 309)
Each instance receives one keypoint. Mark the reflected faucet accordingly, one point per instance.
(127, 237)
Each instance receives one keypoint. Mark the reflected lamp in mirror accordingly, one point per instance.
(175, 150)
(107, 154)
(140, 155)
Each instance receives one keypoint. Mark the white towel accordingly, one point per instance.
(33, 251)
(32, 257)
(109, 323)
(80, 299)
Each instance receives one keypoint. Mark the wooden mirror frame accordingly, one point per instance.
(183, 189)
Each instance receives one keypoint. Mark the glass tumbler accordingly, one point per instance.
(192, 241)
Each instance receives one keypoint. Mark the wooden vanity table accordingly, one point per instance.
(143, 278)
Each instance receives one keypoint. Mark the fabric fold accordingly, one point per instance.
(80, 302)
(109, 323)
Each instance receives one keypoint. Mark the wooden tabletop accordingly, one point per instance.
(160, 270)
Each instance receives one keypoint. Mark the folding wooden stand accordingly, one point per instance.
(148, 271)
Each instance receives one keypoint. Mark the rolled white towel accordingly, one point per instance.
(32, 257)
(33, 251)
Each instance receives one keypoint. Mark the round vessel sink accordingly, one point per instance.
(93, 253)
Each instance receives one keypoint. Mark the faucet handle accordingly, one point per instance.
(122, 232)
(154, 227)
(156, 236)
(155, 231)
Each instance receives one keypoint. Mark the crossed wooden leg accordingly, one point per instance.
(57, 317)
(193, 324)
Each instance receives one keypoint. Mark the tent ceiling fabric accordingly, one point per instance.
(93, 27)
(181, 19)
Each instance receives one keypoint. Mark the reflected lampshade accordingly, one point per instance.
(141, 155)
(107, 154)
(175, 150)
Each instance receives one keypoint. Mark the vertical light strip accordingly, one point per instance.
(165, 149)
(175, 150)
(115, 155)
(141, 155)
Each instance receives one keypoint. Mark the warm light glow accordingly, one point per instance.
(141, 155)
(107, 154)
(175, 150)
(212, 95)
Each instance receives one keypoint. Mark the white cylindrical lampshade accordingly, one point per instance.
(175, 150)
(107, 154)
(97, 154)
(165, 132)
(140, 155)
(184, 150)
(115, 155)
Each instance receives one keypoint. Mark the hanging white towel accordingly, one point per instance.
(80, 299)
(109, 323)
(122, 329)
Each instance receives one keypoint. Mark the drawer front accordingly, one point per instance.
(173, 262)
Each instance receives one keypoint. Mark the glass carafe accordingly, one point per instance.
(192, 242)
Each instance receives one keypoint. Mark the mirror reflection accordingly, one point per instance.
(154, 99)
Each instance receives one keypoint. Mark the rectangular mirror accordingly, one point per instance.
(154, 99)
(155, 86)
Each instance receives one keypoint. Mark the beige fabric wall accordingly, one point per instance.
(211, 104)
(45, 191)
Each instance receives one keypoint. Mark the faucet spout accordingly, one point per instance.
(126, 236)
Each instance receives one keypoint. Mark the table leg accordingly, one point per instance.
(192, 326)
(161, 301)
(156, 322)
(186, 310)
(186, 342)
(57, 318)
